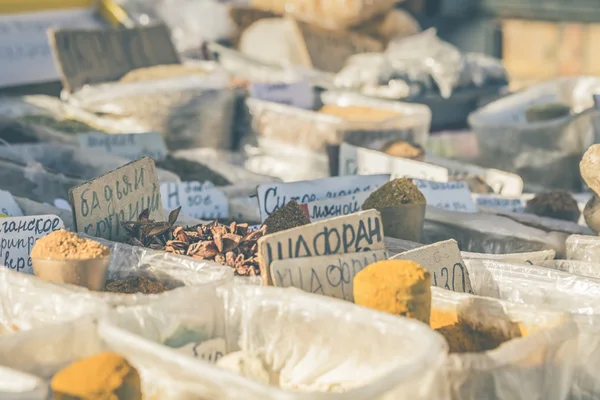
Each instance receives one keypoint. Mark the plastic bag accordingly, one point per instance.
(582, 268)
(72, 161)
(544, 287)
(314, 131)
(484, 233)
(583, 248)
(331, 14)
(306, 338)
(192, 111)
(533, 257)
(396, 246)
(537, 365)
(30, 207)
(545, 154)
(543, 223)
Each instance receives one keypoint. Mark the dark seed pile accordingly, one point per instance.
(287, 217)
(394, 193)
(133, 285)
(558, 205)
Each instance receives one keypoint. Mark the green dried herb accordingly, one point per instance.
(394, 193)
(287, 217)
(192, 171)
(558, 204)
(133, 285)
(547, 112)
(61, 125)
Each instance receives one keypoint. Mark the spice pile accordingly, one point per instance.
(394, 193)
(558, 204)
(287, 217)
(404, 149)
(61, 125)
(359, 113)
(192, 171)
(161, 72)
(64, 245)
(232, 245)
(134, 285)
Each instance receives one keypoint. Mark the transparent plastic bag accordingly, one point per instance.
(191, 111)
(315, 131)
(485, 233)
(330, 14)
(549, 288)
(582, 268)
(583, 248)
(538, 365)
(308, 339)
(71, 160)
(532, 257)
(396, 246)
(545, 154)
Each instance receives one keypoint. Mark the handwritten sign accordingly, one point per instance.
(356, 160)
(337, 206)
(499, 202)
(8, 205)
(103, 55)
(196, 199)
(454, 195)
(327, 50)
(353, 233)
(297, 94)
(127, 145)
(18, 235)
(331, 276)
(274, 195)
(100, 205)
(444, 261)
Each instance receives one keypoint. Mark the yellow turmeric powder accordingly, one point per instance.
(105, 376)
(462, 337)
(398, 287)
(358, 113)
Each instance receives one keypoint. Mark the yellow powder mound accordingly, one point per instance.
(358, 113)
(64, 245)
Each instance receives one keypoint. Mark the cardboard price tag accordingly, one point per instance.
(196, 199)
(445, 263)
(8, 205)
(274, 195)
(453, 195)
(500, 202)
(354, 233)
(18, 235)
(356, 160)
(298, 94)
(87, 57)
(331, 276)
(337, 206)
(100, 205)
(127, 145)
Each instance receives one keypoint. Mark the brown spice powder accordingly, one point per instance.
(161, 72)
(133, 285)
(287, 217)
(394, 193)
(64, 245)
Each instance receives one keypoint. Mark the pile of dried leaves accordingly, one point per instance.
(231, 245)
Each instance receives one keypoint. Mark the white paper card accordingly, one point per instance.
(516, 204)
(8, 205)
(358, 160)
(297, 94)
(127, 145)
(18, 235)
(274, 195)
(197, 200)
(337, 206)
(454, 195)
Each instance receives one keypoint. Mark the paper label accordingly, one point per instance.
(8, 205)
(86, 57)
(337, 206)
(453, 195)
(25, 54)
(127, 145)
(196, 200)
(444, 262)
(500, 202)
(210, 351)
(353, 233)
(101, 204)
(359, 161)
(331, 276)
(298, 94)
(274, 195)
(18, 235)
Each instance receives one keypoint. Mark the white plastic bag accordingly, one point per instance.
(532, 257)
(538, 365)
(308, 339)
(583, 248)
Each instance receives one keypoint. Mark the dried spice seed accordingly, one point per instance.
(192, 171)
(394, 193)
(133, 285)
(287, 217)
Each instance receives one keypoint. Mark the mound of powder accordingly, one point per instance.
(64, 245)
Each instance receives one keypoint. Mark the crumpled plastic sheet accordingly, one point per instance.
(28, 302)
(72, 161)
(550, 288)
(314, 131)
(191, 111)
(532, 257)
(582, 268)
(583, 248)
(396, 246)
(486, 233)
(538, 365)
(545, 154)
(307, 338)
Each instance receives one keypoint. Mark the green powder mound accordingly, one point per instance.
(287, 217)
(394, 193)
